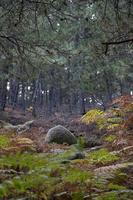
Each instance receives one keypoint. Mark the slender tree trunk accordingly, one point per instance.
(108, 87)
(3, 86)
(23, 103)
(3, 94)
(13, 93)
(51, 100)
(82, 103)
(34, 99)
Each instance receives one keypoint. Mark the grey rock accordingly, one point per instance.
(94, 148)
(57, 151)
(21, 128)
(78, 155)
(60, 135)
(62, 195)
(65, 161)
(93, 141)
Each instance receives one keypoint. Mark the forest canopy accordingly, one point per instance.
(65, 55)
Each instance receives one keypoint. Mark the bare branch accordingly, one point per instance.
(116, 43)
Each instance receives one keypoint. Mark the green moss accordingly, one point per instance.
(102, 156)
(110, 138)
(4, 141)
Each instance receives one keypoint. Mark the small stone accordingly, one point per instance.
(62, 195)
(57, 151)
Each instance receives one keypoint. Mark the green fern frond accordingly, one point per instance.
(4, 141)
(91, 116)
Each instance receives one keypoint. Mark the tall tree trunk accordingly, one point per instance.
(36, 94)
(51, 100)
(13, 93)
(108, 86)
(3, 85)
(23, 103)
(82, 103)
(3, 93)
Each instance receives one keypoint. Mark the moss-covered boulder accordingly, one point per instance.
(60, 135)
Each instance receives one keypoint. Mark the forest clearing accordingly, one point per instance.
(66, 100)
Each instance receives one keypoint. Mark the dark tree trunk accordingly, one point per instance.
(108, 86)
(23, 103)
(46, 102)
(82, 103)
(3, 86)
(3, 94)
(34, 113)
(51, 100)
(13, 94)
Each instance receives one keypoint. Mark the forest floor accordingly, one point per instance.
(32, 169)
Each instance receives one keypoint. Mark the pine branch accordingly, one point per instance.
(107, 44)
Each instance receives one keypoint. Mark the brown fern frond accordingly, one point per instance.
(108, 171)
(124, 150)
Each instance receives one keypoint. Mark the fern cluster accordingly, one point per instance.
(92, 116)
(32, 175)
(116, 117)
(102, 156)
(4, 141)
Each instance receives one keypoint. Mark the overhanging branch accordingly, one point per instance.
(116, 43)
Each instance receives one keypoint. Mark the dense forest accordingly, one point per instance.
(66, 99)
(64, 56)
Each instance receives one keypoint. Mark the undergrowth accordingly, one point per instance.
(102, 156)
(4, 141)
(26, 174)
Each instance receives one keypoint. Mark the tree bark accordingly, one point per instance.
(3, 94)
